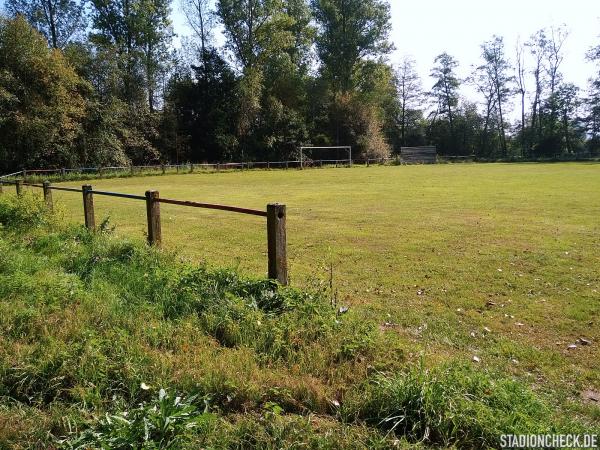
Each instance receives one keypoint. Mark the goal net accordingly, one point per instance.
(311, 156)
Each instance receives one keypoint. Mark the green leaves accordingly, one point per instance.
(59, 20)
(40, 98)
(350, 31)
(166, 422)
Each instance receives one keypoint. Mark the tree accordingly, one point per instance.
(154, 37)
(255, 29)
(362, 127)
(521, 80)
(303, 33)
(592, 101)
(350, 32)
(58, 20)
(485, 85)
(497, 68)
(200, 105)
(546, 47)
(200, 18)
(270, 41)
(140, 31)
(554, 56)
(410, 95)
(445, 90)
(468, 127)
(567, 104)
(537, 45)
(554, 59)
(42, 106)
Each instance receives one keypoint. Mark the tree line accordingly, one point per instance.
(99, 82)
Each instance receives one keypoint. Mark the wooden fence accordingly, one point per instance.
(190, 168)
(275, 215)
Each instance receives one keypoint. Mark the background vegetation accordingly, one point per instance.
(101, 83)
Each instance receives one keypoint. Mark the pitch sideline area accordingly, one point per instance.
(489, 263)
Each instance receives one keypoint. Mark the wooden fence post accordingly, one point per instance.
(191, 167)
(19, 187)
(88, 207)
(153, 214)
(277, 242)
(1, 184)
(164, 169)
(48, 195)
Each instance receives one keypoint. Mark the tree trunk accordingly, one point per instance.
(403, 126)
(523, 138)
(49, 11)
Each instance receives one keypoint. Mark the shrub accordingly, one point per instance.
(24, 212)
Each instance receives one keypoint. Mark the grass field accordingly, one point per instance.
(494, 266)
(423, 247)
(525, 237)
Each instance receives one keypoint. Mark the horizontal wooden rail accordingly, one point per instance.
(42, 170)
(20, 172)
(65, 189)
(235, 209)
(275, 214)
(120, 195)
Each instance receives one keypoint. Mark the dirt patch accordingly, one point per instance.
(590, 396)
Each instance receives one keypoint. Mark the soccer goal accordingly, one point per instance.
(341, 154)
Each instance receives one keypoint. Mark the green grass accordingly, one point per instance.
(438, 264)
(525, 237)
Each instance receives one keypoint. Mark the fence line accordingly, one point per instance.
(20, 172)
(275, 214)
(290, 164)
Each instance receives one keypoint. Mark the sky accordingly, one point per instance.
(426, 28)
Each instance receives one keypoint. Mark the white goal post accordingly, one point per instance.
(336, 147)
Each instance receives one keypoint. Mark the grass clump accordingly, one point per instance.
(24, 212)
(454, 405)
(168, 422)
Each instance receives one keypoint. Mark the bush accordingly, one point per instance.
(24, 212)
